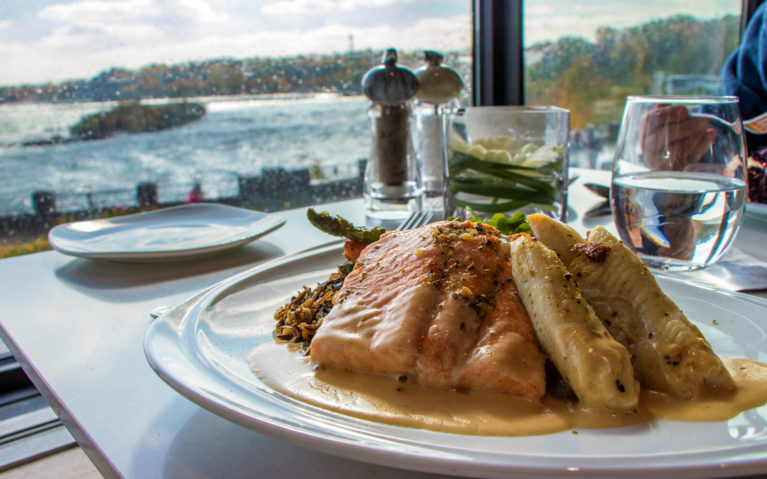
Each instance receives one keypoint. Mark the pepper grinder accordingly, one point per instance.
(438, 88)
(392, 186)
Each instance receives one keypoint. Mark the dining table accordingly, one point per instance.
(78, 326)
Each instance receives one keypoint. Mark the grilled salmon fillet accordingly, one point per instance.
(436, 304)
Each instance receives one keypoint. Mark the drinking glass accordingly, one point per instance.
(678, 181)
(503, 159)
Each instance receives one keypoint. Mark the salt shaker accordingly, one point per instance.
(392, 186)
(438, 87)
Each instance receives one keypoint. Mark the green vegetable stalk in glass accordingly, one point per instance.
(507, 159)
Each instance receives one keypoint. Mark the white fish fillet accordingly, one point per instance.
(669, 353)
(596, 366)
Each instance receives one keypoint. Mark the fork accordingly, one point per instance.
(416, 219)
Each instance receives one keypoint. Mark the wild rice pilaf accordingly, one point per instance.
(299, 319)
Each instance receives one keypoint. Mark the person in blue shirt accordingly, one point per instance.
(744, 73)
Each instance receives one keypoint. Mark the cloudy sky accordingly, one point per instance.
(54, 40)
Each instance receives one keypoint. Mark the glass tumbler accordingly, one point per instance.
(503, 159)
(678, 181)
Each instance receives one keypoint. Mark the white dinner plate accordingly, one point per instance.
(166, 234)
(200, 349)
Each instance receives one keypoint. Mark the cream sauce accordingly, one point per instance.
(392, 401)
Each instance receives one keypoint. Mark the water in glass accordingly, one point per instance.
(678, 187)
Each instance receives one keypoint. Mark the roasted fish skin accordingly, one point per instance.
(669, 353)
(436, 304)
(596, 366)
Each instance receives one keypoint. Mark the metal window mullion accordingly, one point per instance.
(748, 7)
(498, 73)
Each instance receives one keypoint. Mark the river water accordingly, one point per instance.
(237, 136)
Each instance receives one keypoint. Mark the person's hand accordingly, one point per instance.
(671, 139)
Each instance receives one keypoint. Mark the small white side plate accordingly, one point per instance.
(167, 234)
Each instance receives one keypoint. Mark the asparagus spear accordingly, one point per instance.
(337, 226)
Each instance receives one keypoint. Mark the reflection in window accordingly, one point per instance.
(588, 56)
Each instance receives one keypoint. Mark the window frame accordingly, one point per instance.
(498, 63)
(748, 7)
(498, 50)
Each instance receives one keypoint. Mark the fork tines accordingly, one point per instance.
(416, 219)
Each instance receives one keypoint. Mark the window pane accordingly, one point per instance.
(588, 56)
(247, 99)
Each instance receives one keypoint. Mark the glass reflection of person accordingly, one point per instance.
(673, 140)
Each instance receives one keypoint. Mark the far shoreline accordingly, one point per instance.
(201, 99)
(209, 101)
